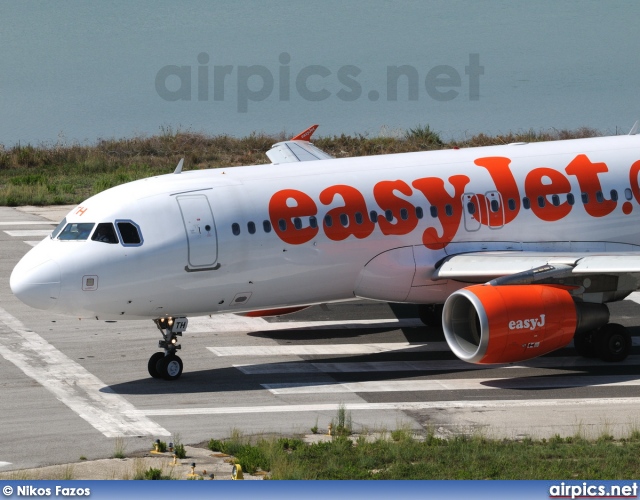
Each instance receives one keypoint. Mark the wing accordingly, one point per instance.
(603, 277)
(298, 148)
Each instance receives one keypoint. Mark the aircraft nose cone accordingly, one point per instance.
(37, 286)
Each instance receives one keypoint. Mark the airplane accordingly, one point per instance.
(515, 249)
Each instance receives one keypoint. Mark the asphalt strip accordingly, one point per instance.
(71, 383)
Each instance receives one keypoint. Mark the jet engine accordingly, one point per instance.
(487, 324)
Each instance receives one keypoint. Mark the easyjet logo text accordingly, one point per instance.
(543, 186)
(527, 324)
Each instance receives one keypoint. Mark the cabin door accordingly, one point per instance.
(200, 228)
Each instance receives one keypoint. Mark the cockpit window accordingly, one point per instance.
(105, 233)
(129, 233)
(76, 231)
(58, 228)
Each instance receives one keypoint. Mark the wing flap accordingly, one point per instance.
(610, 264)
(485, 266)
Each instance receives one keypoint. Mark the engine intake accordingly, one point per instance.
(487, 324)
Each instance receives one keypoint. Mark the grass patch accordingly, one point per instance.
(119, 447)
(342, 424)
(159, 446)
(152, 474)
(141, 472)
(69, 173)
(178, 447)
(403, 456)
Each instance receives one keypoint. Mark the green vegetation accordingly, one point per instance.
(403, 454)
(152, 475)
(69, 173)
(178, 448)
(179, 451)
(407, 457)
(159, 446)
(119, 448)
(67, 473)
(342, 425)
(424, 135)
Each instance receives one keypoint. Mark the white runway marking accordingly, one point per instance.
(474, 384)
(326, 349)
(4, 464)
(32, 243)
(433, 365)
(22, 233)
(233, 323)
(406, 406)
(354, 349)
(71, 384)
(26, 223)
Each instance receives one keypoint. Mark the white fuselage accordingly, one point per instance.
(205, 247)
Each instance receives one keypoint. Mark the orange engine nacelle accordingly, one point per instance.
(503, 324)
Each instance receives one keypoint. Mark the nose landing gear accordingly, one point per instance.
(167, 364)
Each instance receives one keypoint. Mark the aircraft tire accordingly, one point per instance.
(153, 362)
(585, 344)
(431, 314)
(170, 367)
(613, 342)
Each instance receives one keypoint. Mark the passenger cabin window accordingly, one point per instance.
(129, 233)
(434, 212)
(448, 209)
(404, 214)
(526, 203)
(599, 197)
(251, 227)
(328, 221)
(585, 198)
(266, 226)
(388, 214)
(105, 233)
(297, 223)
(344, 220)
(495, 206)
(359, 219)
(282, 224)
(570, 199)
(60, 226)
(628, 194)
(76, 231)
(555, 200)
(235, 228)
(614, 195)
(511, 203)
(373, 215)
(313, 222)
(419, 212)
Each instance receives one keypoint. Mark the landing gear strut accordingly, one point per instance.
(167, 364)
(610, 342)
